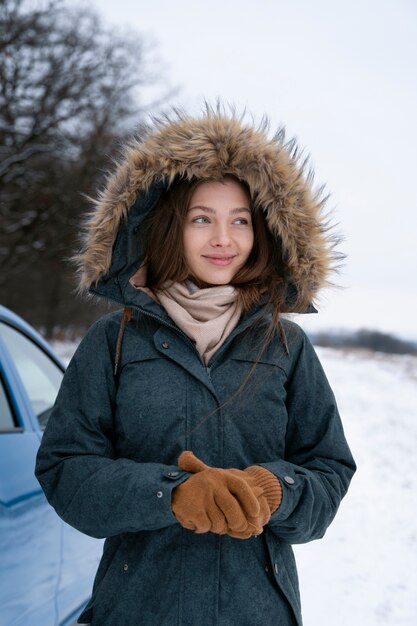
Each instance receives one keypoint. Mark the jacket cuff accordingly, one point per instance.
(269, 483)
(172, 477)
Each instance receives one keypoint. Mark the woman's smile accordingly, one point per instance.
(221, 261)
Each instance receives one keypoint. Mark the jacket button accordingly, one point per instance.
(165, 345)
(125, 567)
(276, 568)
(173, 473)
(159, 494)
(289, 480)
(266, 568)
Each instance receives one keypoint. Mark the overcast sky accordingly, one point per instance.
(341, 76)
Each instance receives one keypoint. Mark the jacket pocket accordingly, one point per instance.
(285, 572)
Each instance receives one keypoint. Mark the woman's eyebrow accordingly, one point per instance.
(243, 209)
(208, 209)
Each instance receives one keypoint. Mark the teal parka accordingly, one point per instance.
(108, 459)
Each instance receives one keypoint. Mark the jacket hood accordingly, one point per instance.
(212, 145)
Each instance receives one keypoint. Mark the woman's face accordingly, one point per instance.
(218, 232)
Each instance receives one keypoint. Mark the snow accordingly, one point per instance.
(64, 349)
(364, 571)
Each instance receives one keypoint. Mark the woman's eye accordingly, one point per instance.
(241, 220)
(201, 219)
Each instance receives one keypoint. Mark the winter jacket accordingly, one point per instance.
(108, 459)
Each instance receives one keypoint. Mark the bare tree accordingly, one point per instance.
(69, 89)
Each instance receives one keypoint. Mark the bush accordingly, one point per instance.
(367, 339)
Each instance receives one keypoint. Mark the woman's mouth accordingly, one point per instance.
(221, 261)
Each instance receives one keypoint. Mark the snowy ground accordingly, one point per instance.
(364, 571)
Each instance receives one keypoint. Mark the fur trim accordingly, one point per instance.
(209, 146)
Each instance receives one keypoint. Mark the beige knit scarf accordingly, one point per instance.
(208, 315)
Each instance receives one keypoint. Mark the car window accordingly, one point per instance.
(41, 377)
(6, 416)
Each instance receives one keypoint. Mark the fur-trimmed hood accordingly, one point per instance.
(212, 145)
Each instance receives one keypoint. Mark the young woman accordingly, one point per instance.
(196, 430)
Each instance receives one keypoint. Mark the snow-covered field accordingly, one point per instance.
(364, 571)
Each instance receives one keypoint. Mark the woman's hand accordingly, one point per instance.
(223, 501)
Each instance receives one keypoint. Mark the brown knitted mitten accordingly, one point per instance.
(250, 522)
(214, 499)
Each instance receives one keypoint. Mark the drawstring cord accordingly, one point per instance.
(127, 314)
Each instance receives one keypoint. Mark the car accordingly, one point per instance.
(46, 566)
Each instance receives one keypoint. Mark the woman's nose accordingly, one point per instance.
(220, 236)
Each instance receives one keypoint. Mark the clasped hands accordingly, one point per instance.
(225, 501)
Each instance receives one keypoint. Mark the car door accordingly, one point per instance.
(53, 565)
(29, 529)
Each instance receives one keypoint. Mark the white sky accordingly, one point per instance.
(342, 77)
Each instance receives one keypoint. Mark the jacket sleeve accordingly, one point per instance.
(77, 465)
(318, 464)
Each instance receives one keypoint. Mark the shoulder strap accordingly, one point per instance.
(127, 314)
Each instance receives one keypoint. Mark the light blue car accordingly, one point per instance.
(46, 567)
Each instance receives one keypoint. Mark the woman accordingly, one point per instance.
(197, 431)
